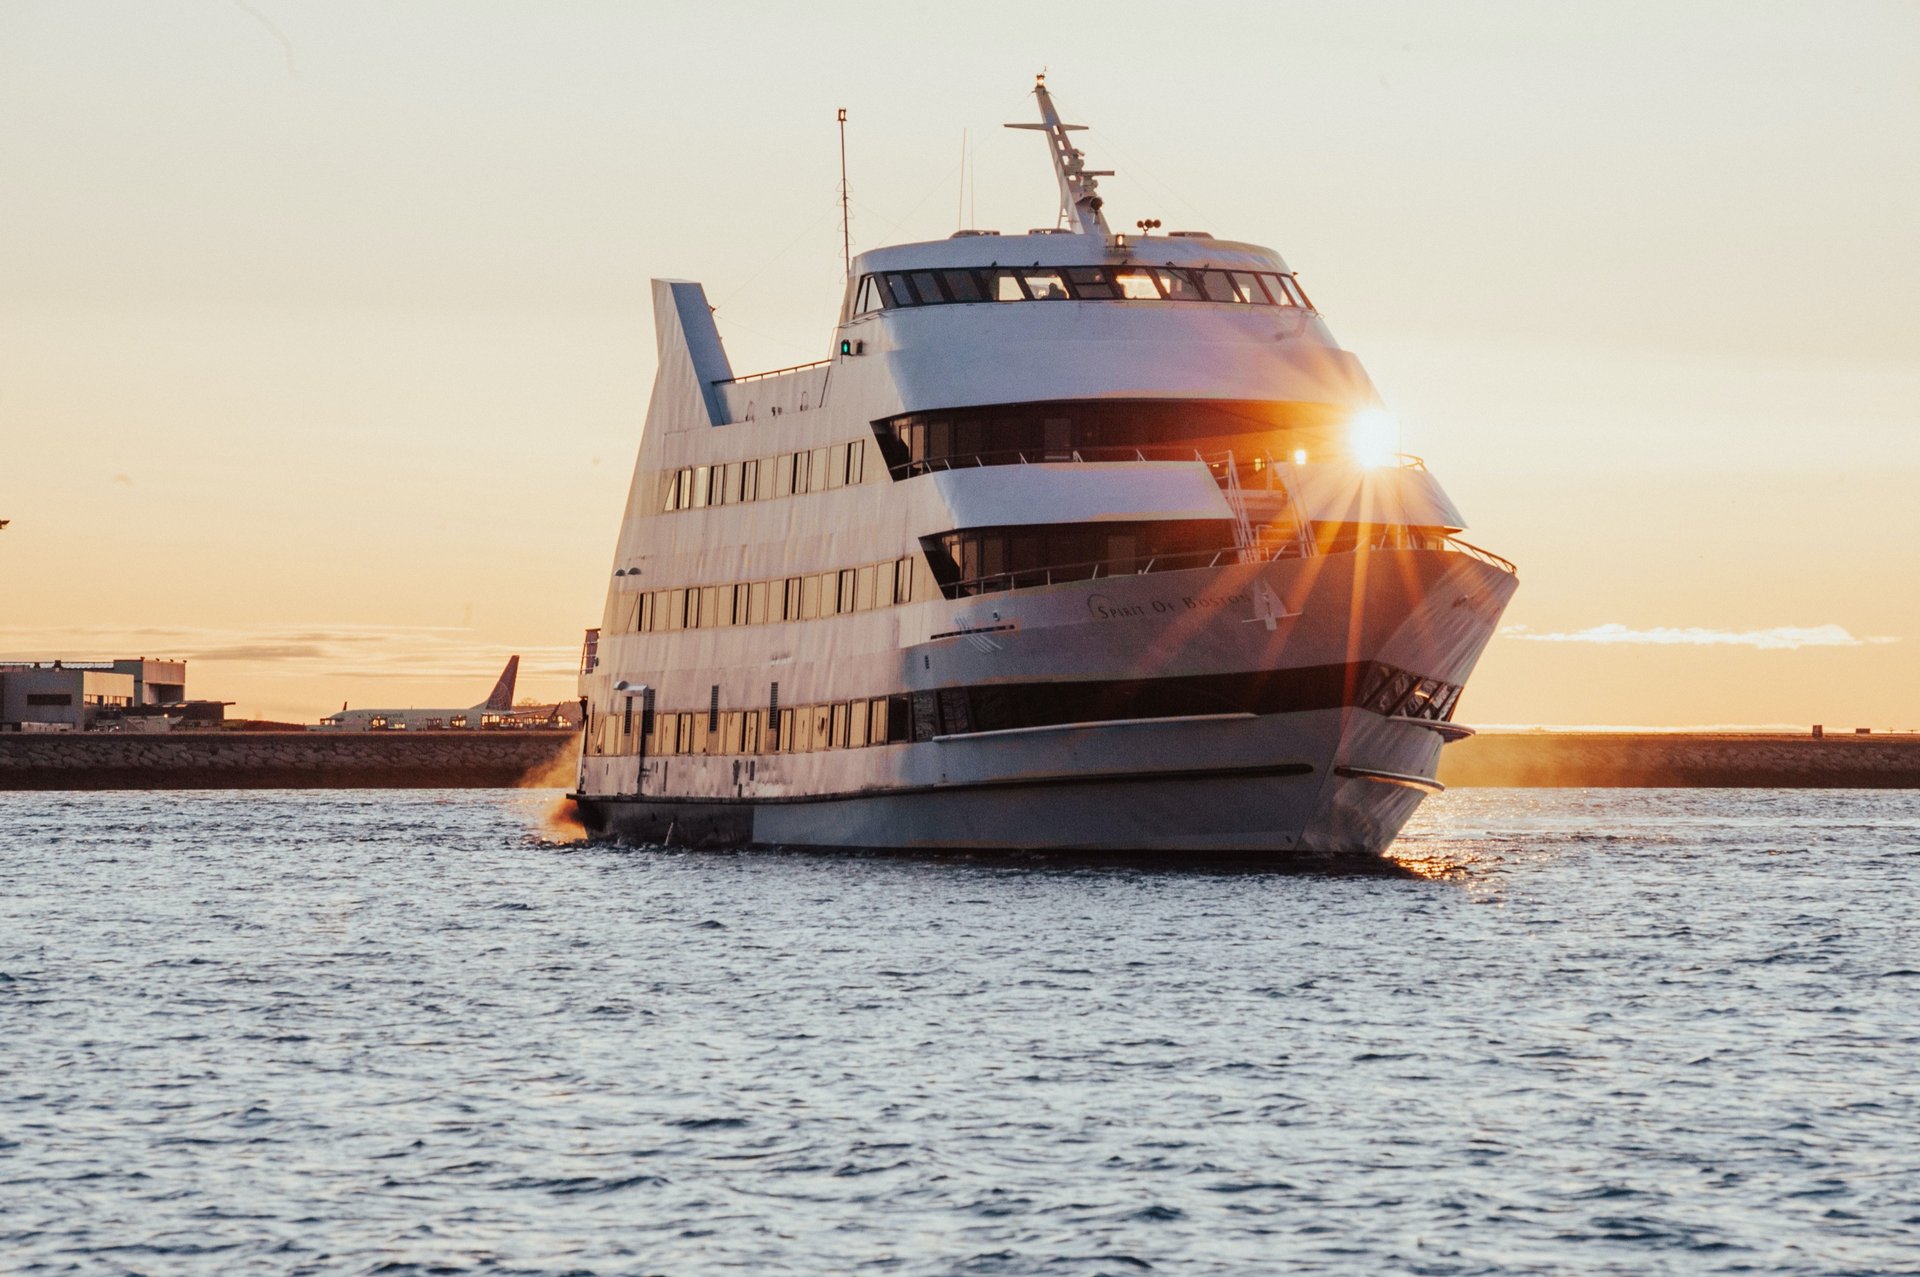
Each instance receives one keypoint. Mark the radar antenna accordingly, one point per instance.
(1079, 193)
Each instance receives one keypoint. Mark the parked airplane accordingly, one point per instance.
(497, 711)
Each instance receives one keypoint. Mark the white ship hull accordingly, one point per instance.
(1230, 776)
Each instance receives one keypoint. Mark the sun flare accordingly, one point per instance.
(1373, 438)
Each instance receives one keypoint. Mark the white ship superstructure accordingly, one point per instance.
(1066, 546)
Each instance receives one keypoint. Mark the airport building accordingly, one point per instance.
(77, 696)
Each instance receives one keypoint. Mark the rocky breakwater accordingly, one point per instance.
(288, 760)
(1682, 760)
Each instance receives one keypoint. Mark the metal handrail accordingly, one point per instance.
(1027, 457)
(1088, 570)
(1487, 557)
(777, 372)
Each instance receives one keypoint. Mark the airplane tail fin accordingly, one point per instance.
(502, 697)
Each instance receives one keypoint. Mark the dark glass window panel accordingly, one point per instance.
(956, 716)
(969, 435)
(899, 292)
(963, 286)
(926, 284)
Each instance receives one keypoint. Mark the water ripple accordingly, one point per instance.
(1605, 1032)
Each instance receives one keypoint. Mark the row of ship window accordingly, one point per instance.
(793, 598)
(764, 478)
(924, 715)
(800, 729)
(890, 289)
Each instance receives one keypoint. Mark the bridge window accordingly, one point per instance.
(892, 289)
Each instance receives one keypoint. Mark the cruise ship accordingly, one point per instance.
(1080, 540)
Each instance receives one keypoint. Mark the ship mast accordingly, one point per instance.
(1079, 192)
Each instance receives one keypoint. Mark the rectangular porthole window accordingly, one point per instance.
(836, 465)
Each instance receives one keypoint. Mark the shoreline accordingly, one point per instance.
(1681, 760)
(502, 759)
(287, 760)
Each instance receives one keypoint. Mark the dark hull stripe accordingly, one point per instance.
(1014, 782)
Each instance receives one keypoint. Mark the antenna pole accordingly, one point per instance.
(846, 218)
(1079, 199)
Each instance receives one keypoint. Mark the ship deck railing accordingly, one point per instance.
(771, 372)
(1259, 552)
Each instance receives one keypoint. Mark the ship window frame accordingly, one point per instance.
(1122, 274)
(951, 279)
(1091, 283)
(928, 287)
(1168, 276)
(898, 288)
(1054, 273)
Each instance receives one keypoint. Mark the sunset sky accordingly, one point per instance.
(325, 344)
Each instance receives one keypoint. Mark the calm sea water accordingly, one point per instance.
(1593, 1032)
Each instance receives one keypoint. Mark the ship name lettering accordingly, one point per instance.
(1213, 600)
